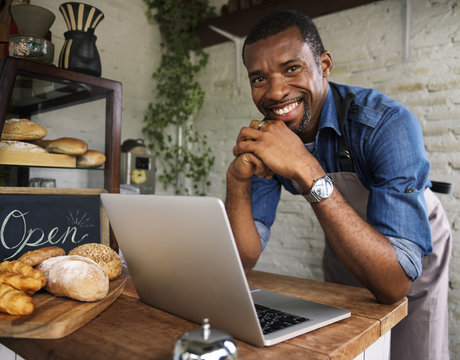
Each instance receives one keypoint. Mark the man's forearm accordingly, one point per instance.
(367, 253)
(239, 210)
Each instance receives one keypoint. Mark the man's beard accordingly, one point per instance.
(304, 122)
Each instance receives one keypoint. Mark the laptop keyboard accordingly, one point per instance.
(272, 320)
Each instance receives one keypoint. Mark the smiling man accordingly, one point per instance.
(358, 158)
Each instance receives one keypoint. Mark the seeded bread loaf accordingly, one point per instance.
(105, 256)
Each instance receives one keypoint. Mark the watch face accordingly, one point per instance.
(323, 188)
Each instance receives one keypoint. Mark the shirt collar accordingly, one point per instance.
(328, 116)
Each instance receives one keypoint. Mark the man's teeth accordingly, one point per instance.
(286, 109)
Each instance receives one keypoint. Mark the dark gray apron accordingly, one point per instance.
(423, 334)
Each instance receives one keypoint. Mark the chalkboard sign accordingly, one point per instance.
(31, 218)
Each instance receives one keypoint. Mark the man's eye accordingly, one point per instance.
(257, 79)
(292, 68)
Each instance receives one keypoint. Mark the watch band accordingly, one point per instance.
(312, 197)
(317, 194)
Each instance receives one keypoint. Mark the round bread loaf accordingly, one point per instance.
(35, 257)
(66, 145)
(104, 255)
(22, 129)
(14, 145)
(75, 277)
(91, 159)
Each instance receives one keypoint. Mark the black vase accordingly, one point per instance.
(79, 52)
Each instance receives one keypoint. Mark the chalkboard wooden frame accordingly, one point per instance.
(90, 197)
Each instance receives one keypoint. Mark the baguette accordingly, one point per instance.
(75, 277)
(15, 302)
(35, 257)
(64, 145)
(22, 129)
(91, 159)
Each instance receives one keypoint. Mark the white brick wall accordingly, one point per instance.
(367, 47)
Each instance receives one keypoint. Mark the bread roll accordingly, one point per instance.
(35, 257)
(75, 277)
(91, 159)
(22, 129)
(104, 255)
(14, 145)
(64, 145)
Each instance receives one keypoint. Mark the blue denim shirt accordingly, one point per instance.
(386, 145)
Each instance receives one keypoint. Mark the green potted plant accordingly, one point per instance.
(182, 152)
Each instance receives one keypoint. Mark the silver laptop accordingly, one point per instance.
(183, 259)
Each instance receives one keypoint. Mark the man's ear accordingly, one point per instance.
(326, 63)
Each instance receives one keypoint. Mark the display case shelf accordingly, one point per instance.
(28, 88)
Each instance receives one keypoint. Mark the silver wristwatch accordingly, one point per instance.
(321, 190)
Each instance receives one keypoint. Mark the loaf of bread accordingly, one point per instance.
(15, 302)
(22, 129)
(75, 277)
(91, 159)
(35, 257)
(64, 145)
(14, 145)
(104, 255)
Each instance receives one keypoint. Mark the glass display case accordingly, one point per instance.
(67, 104)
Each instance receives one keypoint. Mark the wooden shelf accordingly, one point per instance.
(8, 157)
(239, 23)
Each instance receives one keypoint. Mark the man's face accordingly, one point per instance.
(286, 82)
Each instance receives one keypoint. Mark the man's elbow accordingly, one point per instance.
(393, 293)
(249, 263)
(389, 299)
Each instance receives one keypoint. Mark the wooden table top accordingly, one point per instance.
(130, 329)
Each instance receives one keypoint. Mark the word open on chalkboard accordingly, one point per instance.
(29, 222)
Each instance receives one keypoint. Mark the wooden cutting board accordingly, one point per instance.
(55, 317)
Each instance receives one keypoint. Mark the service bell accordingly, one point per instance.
(205, 344)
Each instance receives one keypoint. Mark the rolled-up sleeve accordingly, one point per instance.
(265, 195)
(409, 255)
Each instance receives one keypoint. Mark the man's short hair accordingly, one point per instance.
(280, 21)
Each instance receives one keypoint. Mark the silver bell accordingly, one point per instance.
(205, 344)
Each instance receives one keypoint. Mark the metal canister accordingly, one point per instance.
(205, 344)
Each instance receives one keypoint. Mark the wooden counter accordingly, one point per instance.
(129, 329)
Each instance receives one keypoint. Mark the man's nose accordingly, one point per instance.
(278, 88)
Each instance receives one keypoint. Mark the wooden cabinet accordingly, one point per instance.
(62, 90)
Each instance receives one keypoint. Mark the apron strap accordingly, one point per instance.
(342, 106)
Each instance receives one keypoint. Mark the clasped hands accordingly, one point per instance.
(267, 147)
